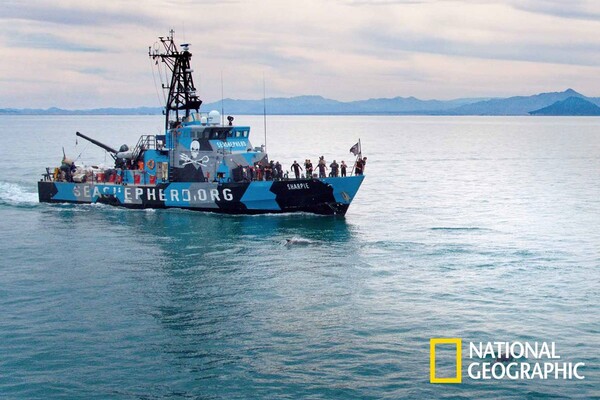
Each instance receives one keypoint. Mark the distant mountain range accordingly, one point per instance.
(316, 105)
(95, 111)
(568, 102)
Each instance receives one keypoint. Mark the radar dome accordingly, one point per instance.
(214, 117)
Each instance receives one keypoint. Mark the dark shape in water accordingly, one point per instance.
(505, 358)
(298, 242)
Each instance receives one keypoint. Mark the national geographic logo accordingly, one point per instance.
(432, 347)
(504, 360)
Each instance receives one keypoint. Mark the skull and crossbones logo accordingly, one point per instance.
(194, 151)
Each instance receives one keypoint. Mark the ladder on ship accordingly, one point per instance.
(172, 160)
(146, 142)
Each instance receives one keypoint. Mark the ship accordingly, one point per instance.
(200, 163)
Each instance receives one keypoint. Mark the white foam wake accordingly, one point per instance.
(13, 193)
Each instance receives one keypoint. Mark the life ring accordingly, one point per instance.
(150, 164)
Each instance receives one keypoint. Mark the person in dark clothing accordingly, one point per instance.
(358, 169)
(364, 164)
(273, 171)
(322, 168)
(68, 167)
(279, 170)
(334, 169)
(296, 169)
(268, 172)
(309, 169)
(343, 167)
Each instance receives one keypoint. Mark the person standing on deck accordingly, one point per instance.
(296, 169)
(334, 169)
(322, 168)
(279, 170)
(309, 169)
(343, 167)
(358, 169)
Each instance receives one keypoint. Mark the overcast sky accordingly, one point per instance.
(89, 54)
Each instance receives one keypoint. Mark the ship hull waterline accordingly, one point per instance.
(326, 196)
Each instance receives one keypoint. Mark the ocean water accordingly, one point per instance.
(480, 228)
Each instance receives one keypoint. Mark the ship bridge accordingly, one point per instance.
(211, 138)
(232, 138)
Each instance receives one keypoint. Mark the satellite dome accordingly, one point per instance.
(214, 117)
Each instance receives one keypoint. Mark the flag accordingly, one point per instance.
(355, 149)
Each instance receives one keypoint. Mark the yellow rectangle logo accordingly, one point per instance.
(432, 344)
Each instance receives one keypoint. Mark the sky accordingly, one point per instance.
(90, 54)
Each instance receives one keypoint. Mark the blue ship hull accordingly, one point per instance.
(328, 196)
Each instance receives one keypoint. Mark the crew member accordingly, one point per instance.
(279, 170)
(309, 169)
(358, 169)
(322, 167)
(334, 169)
(343, 167)
(296, 169)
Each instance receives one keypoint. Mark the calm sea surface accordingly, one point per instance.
(481, 228)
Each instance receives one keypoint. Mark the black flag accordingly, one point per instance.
(355, 149)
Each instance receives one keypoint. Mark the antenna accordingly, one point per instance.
(182, 95)
(222, 111)
(265, 110)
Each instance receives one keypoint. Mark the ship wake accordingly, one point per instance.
(16, 195)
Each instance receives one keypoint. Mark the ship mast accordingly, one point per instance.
(182, 96)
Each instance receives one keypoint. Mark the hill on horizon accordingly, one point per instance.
(518, 105)
(570, 106)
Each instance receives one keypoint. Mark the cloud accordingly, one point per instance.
(76, 12)
(573, 9)
(49, 41)
(386, 2)
(486, 31)
(393, 45)
(93, 71)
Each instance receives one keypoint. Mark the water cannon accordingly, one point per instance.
(112, 151)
